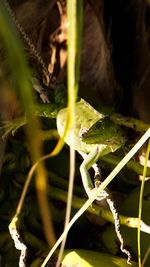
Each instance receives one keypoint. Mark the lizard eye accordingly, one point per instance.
(98, 125)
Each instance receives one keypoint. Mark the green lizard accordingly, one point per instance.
(94, 136)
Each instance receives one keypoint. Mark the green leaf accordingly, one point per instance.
(87, 258)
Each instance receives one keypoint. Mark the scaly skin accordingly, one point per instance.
(94, 135)
(92, 128)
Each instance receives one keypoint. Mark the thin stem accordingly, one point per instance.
(140, 204)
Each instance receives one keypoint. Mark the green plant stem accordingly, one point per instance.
(78, 202)
(140, 204)
(129, 122)
(132, 164)
(35, 242)
(55, 192)
(63, 183)
(146, 256)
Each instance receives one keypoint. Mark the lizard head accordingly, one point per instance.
(106, 132)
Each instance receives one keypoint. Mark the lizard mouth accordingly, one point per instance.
(83, 132)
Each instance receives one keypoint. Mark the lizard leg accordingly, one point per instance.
(97, 170)
(90, 161)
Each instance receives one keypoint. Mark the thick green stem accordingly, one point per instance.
(132, 164)
(77, 203)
